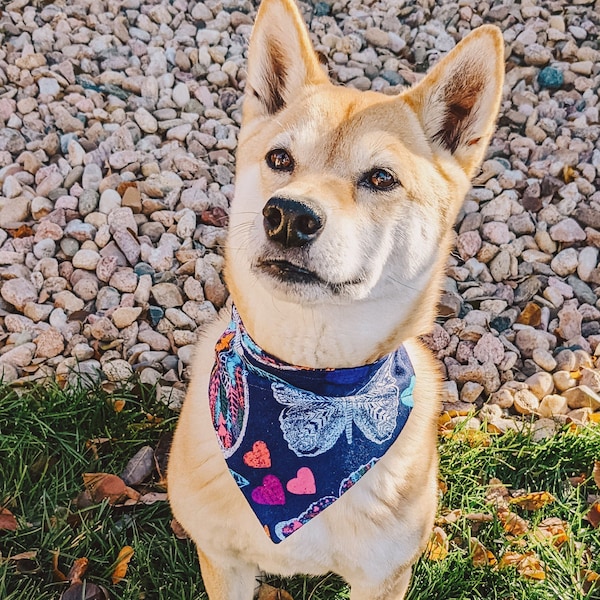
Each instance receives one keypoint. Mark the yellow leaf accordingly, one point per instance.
(449, 518)
(532, 500)
(123, 559)
(512, 522)
(268, 592)
(553, 530)
(593, 515)
(118, 405)
(497, 493)
(531, 567)
(480, 555)
(510, 559)
(437, 548)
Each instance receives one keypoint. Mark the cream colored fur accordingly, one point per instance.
(379, 259)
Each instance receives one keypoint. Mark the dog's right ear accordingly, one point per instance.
(281, 59)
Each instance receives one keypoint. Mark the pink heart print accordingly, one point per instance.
(270, 492)
(303, 483)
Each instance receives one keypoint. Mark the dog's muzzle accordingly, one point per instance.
(292, 223)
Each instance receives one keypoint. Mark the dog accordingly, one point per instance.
(307, 439)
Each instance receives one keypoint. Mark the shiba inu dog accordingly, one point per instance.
(307, 440)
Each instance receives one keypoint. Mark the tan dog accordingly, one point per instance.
(340, 230)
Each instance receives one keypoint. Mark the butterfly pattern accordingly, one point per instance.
(312, 424)
(296, 439)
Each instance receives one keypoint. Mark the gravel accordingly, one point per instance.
(118, 129)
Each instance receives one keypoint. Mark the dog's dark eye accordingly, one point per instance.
(379, 180)
(280, 160)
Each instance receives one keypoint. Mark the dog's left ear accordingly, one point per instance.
(281, 59)
(458, 100)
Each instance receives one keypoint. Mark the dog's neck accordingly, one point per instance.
(332, 336)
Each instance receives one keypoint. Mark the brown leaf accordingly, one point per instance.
(118, 405)
(268, 592)
(57, 574)
(590, 579)
(553, 530)
(161, 457)
(532, 500)
(531, 567)
(21, 232)
(178, 530)
(120, 570)
(480, 555)
(497, 493)
(7, 520)
(437, 547)
(596, 472)
(593, 515)
(215, 216)
(77, 571)
(30, 554)
(512, 523)
(578, 479)
(449, 518)
(105, 486)
(510, 559)
(479, 517)
(85, 590)
(153, 497)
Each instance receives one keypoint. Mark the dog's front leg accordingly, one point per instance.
(235, 580)
(392, 589)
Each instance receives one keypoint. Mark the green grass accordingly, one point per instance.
(44, 434)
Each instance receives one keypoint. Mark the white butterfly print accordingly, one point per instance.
(312, 424)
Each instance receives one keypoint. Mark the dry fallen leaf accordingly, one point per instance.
(268, 592)
(512, 523)
(531, 567)
(593, 515)
(596, 472)
(528, 565)
(178, 530)
(437, 547)
(590, 579)
(532, 500)
(449, 518)
(56, 572)
(510, 559)
(30, 554)
(123, 559)
(553, 530)
(85, 590)
(480, 555)
(7, 520)
(497, 494)
(479, 517)
(104, 486)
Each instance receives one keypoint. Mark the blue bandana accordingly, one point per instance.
(295, 439)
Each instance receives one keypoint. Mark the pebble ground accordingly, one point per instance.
(118, 129)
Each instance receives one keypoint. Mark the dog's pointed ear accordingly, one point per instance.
(458, 100)
(281, 59)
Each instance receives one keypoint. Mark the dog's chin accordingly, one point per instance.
(293, 282)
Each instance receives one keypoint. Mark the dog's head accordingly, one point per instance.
(345, 196)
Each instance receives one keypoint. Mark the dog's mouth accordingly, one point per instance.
(287, 272)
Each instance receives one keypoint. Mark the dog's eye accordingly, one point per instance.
(280, 160)
(379, 180)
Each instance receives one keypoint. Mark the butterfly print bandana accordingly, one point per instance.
(295, 439)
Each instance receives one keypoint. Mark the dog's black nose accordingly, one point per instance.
(292, 223)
